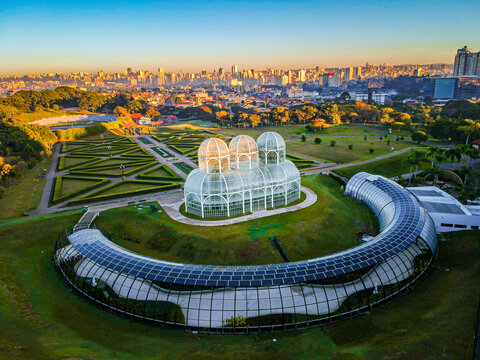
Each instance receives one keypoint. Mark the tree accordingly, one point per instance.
(350, 147)
(223, 117)
(371, 150)
(333, 143)
(279, 115)
(56, 107)
(20, 168)
(120, 111)
(419, 136)
(134, 106)
(333, 115)
(318, 140)
(152, 112)
(461, 109)
(5, 170)
(254, 120)
(468, 129)
(304, 138)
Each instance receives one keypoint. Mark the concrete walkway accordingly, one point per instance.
(171, 204)
(327, 169)
(160, 158)
(51, 176)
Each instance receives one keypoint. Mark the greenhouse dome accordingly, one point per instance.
(243, 152)
(213, 155)
(230, 181)
(271, 148)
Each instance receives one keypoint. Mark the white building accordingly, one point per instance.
(244, 176)
(446, 211)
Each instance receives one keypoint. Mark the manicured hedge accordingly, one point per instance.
(173, 175)
(57, 198)
(97, 196)
(184, 167)
(146, 141)
(143, 152)
(126, 173)
(162, 152)
(61, 161)
(181, 150)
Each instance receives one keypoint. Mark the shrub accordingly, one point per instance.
(304, 138)
(333, 143)
(371, 150)
(318, 140)
(365, 138)
(350, 147)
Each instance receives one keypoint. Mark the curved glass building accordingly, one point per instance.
(263, 297)
(245, 176)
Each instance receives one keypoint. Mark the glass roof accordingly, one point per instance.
(403, 222)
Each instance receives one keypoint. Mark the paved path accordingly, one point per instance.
(51, 175)
(328, 168)
(171, 205)
(160, 158)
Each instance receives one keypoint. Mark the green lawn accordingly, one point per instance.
(37, 115)
(73, 185)
(394, 166)
(297, 130)
(254, 133)
(25, 193)
(303, 234)
(340, 152)
(41, 319)
(127, 186)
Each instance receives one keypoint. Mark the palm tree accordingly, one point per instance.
(415, 158)
(432, 150)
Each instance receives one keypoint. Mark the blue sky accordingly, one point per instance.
(63, 36)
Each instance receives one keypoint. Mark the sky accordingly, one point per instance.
(191, 36)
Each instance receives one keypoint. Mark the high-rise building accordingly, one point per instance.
(161, 76)
(221, 72)
(234, 69)
(348, 75)
(129, 71)
(467, 63)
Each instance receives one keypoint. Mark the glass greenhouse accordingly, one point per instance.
(244, 176)
(268, 297)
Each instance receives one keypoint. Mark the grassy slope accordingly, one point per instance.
(25, 193)
(41, 319)
(340, 152)
(303, 234)
(394, 166)
(32, 116)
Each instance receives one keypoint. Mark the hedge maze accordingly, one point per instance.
(68, 187)
(184, 167)
(126, 188)
(181, 141)
(116, 166)
(160, 172)
(92, 170)
(299, 162)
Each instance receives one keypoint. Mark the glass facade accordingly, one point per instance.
(263, 297)
(256, 176)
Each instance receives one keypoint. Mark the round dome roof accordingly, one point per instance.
(270, 141)
(213, 155)
(243, 152)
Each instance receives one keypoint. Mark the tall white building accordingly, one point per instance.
(467, 63)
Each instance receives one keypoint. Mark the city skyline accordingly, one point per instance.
(193, 36)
